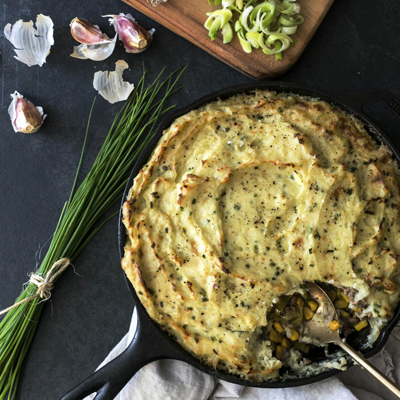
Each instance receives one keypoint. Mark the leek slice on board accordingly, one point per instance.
(258, 24)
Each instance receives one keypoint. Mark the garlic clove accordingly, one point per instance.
(31, 45)
(134, 37)
(110, 84)
(96, 45)
(25, 117)
(86, 33)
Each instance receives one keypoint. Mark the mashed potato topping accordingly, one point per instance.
(245, 199)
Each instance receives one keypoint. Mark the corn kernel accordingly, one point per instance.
(295, 335)
(332, 295)
(300, 302)
(274, 336)
(345, 297)
(361, 325)
(341, 303)
(286, 343)
(344, 314)
(334, 325)
(278, 352)
(278, 327)
(313, 305)
(308, 314)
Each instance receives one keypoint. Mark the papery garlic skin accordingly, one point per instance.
(155, 3)
(134, 37)
(31, 45)
(97, 52)
(110, 84)
(25, 117)
(96, 45)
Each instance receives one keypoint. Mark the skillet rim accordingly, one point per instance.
(343, 101)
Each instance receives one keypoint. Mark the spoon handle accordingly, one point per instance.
(370, 368)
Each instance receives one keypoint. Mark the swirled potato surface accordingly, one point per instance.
(245, 199)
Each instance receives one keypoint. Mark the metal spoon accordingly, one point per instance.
(320, 333)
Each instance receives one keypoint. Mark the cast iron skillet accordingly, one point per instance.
(150, 342)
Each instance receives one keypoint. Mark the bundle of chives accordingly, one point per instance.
(132, 129)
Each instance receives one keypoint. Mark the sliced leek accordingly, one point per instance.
(258, 24)
(216, 21)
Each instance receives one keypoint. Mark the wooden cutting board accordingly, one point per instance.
(187, 17)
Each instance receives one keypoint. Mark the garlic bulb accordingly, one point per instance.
(31, 45)
(134, 37)
(110, 84)
(25, 117)
(96, 45)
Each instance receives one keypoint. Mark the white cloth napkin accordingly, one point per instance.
(176, 380)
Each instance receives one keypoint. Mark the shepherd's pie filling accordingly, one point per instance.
(241, 202)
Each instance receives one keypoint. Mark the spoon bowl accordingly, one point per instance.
(318, 326)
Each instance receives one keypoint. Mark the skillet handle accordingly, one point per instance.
(358, 99)
(148, 345)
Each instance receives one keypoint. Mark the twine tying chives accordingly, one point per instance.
(44, 284)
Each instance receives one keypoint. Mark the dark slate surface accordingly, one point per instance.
(357, 47)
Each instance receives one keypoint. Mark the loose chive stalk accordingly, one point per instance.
(80, 219)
